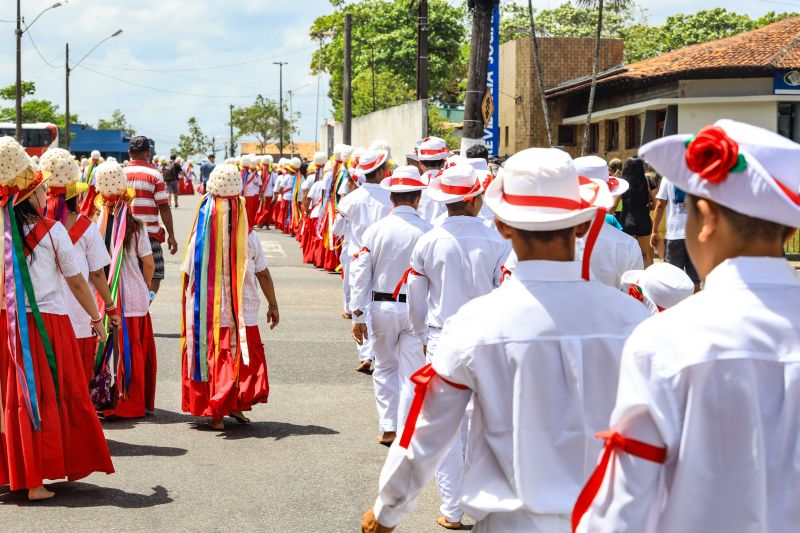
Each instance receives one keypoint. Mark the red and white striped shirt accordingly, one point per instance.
(151, 192)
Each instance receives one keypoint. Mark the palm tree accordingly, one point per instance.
(537, 63)
(601, 4)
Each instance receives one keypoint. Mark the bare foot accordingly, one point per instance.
(239, 417)
(217, 423)
(40, 493)
(387, 438)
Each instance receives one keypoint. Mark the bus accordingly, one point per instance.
(36, 137)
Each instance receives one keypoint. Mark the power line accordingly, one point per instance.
(161, 90)
(214, 67)
(30, 38)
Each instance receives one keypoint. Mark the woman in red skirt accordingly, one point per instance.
(127, 243)
(50, 429)
(63, 189)
(224, 369)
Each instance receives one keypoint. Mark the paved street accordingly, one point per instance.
(307, 463)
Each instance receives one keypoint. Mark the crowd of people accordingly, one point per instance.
(83, 260)
(525, 348)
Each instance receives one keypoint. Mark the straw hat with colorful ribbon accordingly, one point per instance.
(64, 175)
(17, 175)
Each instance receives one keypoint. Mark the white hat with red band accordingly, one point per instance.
(660, 286)
(595, 168)
(748, 169)
(457, 183)
(432, 149)
(371, 160)
(538, 189)
(404, 179)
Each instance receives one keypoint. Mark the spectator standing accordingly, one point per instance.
(673, 200)
(206, 168)
(172, 175)
(150, 203)
(636, 219)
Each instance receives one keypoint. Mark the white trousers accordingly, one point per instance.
(365, 350)
(519, 521)
(345, 259)
(451, 470)
(398, 354)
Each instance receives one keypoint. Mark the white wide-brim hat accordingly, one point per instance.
(538, 189)
(457, 183)
(432, 149)
(660, 286)
(745, 168)
(371, 160)
(404, 179)
(595, 168)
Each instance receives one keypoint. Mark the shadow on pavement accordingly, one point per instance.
(126, 449)
(160, 417)
(167, 335)
(272, 430)
(77, 495)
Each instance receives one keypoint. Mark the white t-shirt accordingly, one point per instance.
(251, 294)
(135, 293)
(676, 210)
(252, 184)
(90, 255)
(44, 269)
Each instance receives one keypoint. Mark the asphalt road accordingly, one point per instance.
(307, 463)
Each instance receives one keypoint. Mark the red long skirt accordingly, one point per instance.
(278, 214)
(70, 443)
(142, 387)
(251, 206)
(185, 187)
(331, 259)
(222, 394)
(87, 346)
(310, 241)
(264, 215)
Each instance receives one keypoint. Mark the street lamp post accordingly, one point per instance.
(68, 70)
(321, 36)
(18, 32)
(280, 105)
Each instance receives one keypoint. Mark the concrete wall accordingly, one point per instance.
(726, 87)
(692, 117)
(401, 126)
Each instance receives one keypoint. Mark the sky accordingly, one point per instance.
(181, 58)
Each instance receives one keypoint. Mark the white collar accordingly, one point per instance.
(750, 271)
(400, 209)
(548, 271)
(459, 218)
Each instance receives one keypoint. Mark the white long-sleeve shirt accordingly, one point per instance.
(716, 381)
(389, 244)
(457, 261)
(540, 358)
(615, 252)
(252, 184)
(358, 211)
(428, 209)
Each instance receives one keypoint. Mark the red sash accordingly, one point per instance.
(404, 280)
(38, 232)
(79, 228)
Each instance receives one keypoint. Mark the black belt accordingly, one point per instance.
(386, 297)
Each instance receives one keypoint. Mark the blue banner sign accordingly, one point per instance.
(491, 132)
(786, 82)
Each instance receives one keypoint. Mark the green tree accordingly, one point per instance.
(192, 143)
(118, 121)
(10, 92)
(568, 20)
(390, 28)
(33, 110)
(438, 127)
(262, 121)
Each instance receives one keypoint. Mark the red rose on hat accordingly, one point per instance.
(712, 154)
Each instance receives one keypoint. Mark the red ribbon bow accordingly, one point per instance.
(404, 280)
(614, 441)
(506, 273)
(613, 183)
(421, 380)
(712, 154)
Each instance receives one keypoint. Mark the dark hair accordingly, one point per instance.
(749, 228)
(377, 172)
(173, 157)
(633, 173)
(26, 213)
(405, 197)
(429, 165)
(72, 204)
(132, 227)
(479, 151)
(548, 236)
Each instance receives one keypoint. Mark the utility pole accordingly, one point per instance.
(372, 51)
(478, 69)
(230, 145)
(348, 73)
(18, 32)
(280, 104)
(291, 114)
(422, 50)
(321, 36)
(66, 107)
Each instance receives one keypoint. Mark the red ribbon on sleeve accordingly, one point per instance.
(615, 442)
(421, 379)
(404, 280)
(364, 250)
(506, 273)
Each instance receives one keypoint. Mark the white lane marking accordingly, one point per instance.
(272, 249)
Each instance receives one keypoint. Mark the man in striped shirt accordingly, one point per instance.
(150, 202)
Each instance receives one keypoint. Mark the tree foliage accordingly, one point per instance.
(262, 121)
(33, 109)
(642, 40)
(118, 121)
(194, 142)
(390, 28)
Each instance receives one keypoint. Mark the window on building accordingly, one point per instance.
(787, 120)
(506, 135)
(633, 132)
(612, 135)
(661, 120)
(566, 135)
(594, 138)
